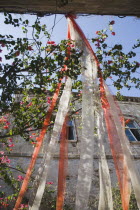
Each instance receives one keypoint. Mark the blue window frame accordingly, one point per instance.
(132, 131)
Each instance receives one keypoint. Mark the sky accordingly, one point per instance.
(127, 31)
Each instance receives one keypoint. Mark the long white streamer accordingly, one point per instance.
(85, 171)
(133, 171)
(59, 120)
(37, 180)
(105, 197)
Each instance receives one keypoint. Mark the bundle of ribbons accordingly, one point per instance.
(94, 90)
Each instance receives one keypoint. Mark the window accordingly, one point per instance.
(71, 130)
(132, 130)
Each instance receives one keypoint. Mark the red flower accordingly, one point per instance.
(97, 32)
(33, 142)
(30, 48)
(113, 33)
(11, 145)
(68, 48)
(4, 204)
(5, 127)
(48, 100)
(17, 53)
(112, 22)
(30, 104)
(3, 45)
(22, 206)
(66, 58)
(20, 178)
(50, 42)
(49, 183)
(4, 159)
(65, 67)
(69, 43)
(109, 62)
(72, 45)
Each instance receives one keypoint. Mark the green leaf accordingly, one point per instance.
(11, 132)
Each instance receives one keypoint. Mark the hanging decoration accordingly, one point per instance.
(59, 120)
(37, 180)
(105, 196)
(129, 163)
(116, 148)
(89, 76)
(63, 156)
(37, 148)
(42, 165)
(62, 166)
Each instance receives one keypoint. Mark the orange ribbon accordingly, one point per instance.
(37, 148)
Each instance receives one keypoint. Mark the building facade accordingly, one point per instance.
(22, 152)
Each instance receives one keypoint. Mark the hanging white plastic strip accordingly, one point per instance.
(105, 196)
(37, 180)
(85, 171)
(133, 171)
(59, 120)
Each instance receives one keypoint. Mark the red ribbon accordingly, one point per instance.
(37, 148)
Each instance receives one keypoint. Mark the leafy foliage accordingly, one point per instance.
(117, 203)
(30, 64)
(114, 62)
